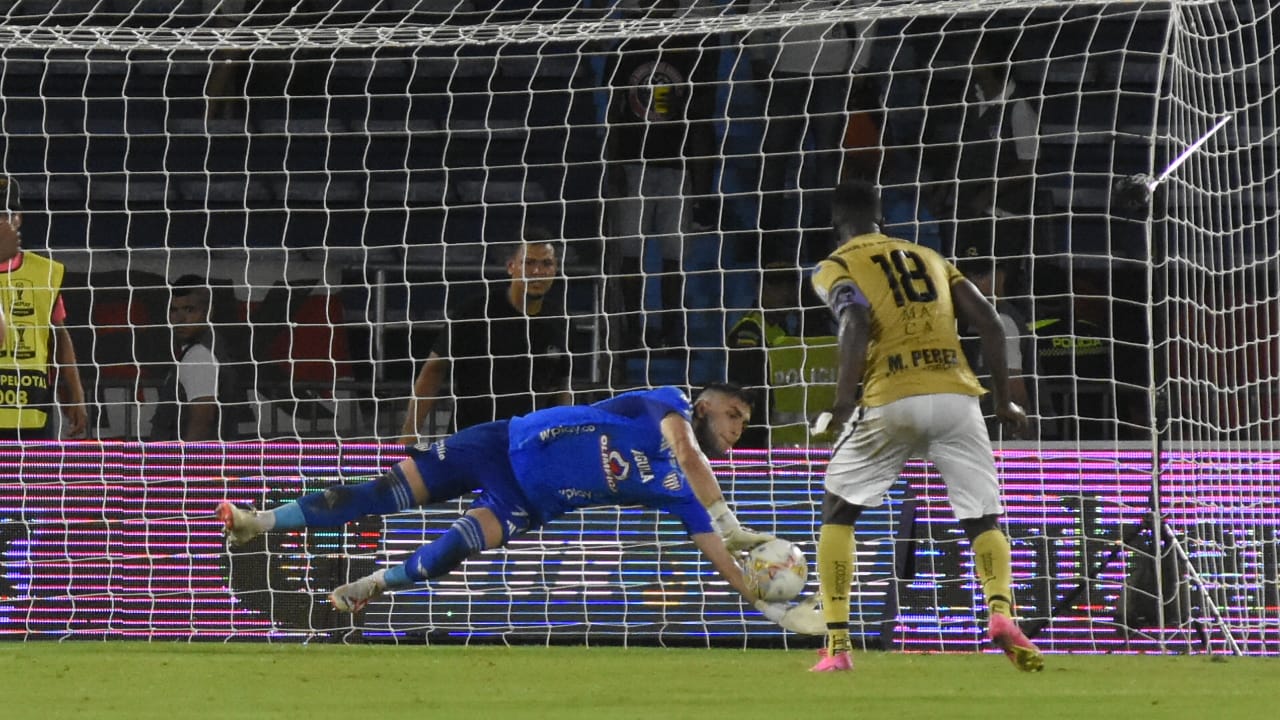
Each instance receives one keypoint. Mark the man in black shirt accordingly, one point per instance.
(506, 350)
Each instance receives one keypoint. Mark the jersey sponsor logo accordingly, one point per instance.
(616, 468)
(576, 494)
(642, 465)
(24, 348)
(21, 379)
(438, 446)
(15, 387)
(553, 433)
(671, 481)
(22, 305)
(916, 319)
(518, 522)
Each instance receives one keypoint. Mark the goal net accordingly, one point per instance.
(344, 181)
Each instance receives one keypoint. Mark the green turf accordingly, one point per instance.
(169, 680)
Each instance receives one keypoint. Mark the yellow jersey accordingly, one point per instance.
(914, 347)
(29, 293)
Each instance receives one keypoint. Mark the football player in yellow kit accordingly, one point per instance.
(896, 304)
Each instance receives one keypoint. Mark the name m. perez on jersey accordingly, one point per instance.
(924, 359)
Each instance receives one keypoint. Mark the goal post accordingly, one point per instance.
(1215, 254)
(346, 175)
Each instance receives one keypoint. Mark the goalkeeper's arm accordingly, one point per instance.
(803, 618)
(679, 435)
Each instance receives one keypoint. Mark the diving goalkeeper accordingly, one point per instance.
(639, 448)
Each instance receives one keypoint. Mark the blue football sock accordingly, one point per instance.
(343, 503)
(397, 579)
(463, 539)
(288, 517)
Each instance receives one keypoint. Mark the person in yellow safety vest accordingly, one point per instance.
(786, 353)
(37, 350)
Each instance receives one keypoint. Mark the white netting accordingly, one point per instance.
(1215, 254)
(237, 25)
(347, 174)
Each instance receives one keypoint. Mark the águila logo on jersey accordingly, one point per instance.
(616, 468)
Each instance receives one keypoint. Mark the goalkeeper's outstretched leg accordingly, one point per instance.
(397, 490)
(433, 472)
(480, 529)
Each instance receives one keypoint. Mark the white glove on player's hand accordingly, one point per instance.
(741, 539)
(736, 538)
(804, 618)
(822, 429)
(828, 425)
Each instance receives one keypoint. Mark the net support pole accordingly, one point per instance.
(1161, 532)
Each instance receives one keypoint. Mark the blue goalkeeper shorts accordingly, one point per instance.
(476, 459)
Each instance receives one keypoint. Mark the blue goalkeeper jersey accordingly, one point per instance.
(609, 453)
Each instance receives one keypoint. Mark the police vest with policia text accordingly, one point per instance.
(801, 376)
(28, 294)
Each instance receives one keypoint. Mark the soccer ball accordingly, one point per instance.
(776, 570)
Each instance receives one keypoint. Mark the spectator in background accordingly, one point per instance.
(505, 352)
(988, 275)
(196, 395)
(810, 69)
(659, 146)
(1092, 358)
(995, 184)
(237, 77)
(868, 157)
(37, 352)
(786, 354)
(862, 143)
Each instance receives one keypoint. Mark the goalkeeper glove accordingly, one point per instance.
(829, 424)
(804, 618)
(735, 537)
(821, 430)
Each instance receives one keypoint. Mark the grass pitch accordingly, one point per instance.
(173, 681)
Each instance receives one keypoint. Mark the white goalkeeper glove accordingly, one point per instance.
(821, 430)
(736, 538)
(803, 618)
(828, 425)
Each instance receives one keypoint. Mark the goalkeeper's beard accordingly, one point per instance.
(707, 440)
